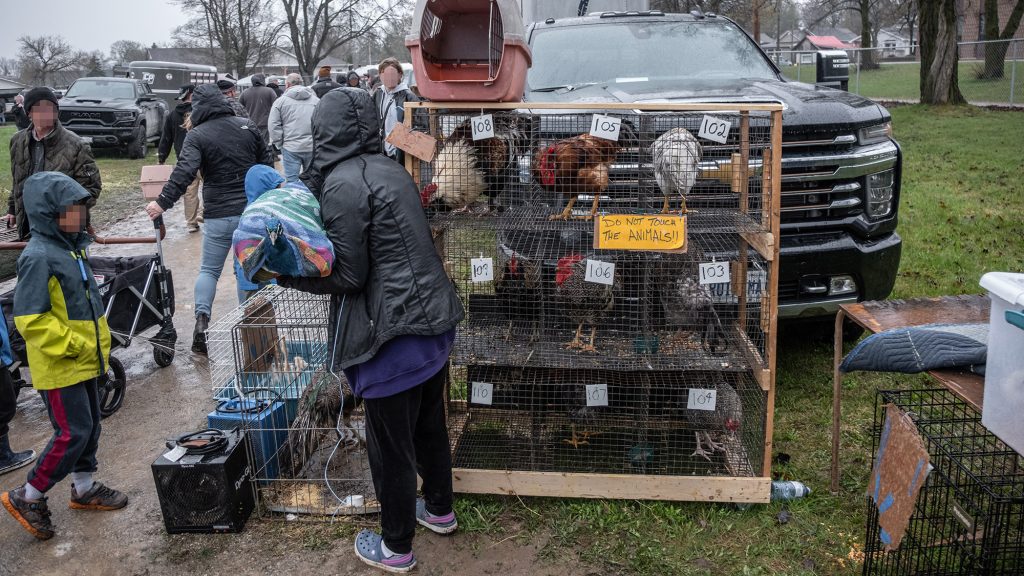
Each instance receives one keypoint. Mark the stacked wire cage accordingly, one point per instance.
(269, 365)
(969, 515)
(587, 366)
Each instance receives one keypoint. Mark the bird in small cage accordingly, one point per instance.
(518, 287)
(689, 307)
(725, 418)
(466, 169)
(675, 156)
(583, 302)
(574, 166)
(317, 419)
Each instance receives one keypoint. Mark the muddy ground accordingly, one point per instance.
(164, 402)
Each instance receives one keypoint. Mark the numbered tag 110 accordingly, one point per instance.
(482, 126)
(600, 272)
(597, 394)
(714, 272)
(701, 399)
(606, 127)
(481, 393)
(715, 129)
(482, 269)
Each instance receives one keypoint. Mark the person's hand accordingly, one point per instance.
(154, 210)
(10, 220)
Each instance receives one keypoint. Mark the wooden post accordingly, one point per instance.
(773, 283)
(743, 179)
(837, 387)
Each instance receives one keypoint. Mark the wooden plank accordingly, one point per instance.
(667, 106)
(881, 315)
(768, 191)
(967, 386)
(741, 179)
(737, 179)
(773, 287)
(616, 486)
(763, 242)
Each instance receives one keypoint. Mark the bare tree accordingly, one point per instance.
(317, 28)
(9, 67)
(125, 51)
(42, 57)
(939, 56)
(245, 30)
(995, 53)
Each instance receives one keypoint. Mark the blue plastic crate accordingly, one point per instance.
(290, 385)
(266, 426)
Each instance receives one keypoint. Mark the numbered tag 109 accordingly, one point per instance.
(483, 126)
(714, 272)
(715, 129)
(482, 269)
(481, 393)
(600, 272)
(597, 394)
(701, 399)
(606, 127)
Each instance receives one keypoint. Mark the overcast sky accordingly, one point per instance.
(88, 24)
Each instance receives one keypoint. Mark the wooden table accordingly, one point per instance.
(878, 316)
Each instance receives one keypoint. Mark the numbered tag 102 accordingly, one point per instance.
(600, 272)
(482, 269)
(482, 126)
(715, 129)
(714, 272)
(701, 399)
(481, 393)
(597, 394)
(606, 127)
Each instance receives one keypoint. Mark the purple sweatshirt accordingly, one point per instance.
(400, 364)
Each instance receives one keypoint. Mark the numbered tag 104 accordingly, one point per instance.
(701, 399)
(597, 394)
(606, 127)
(714, 272)
(481, 393)
(482, 269)
(600, 272)
(715, 129)
(482, 126)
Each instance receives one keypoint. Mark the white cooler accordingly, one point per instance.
(1003, 410)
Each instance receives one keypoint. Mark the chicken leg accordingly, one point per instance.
(593, 209)
(577, 342)
(567, 212)
(589, 347)
(666, 207)
(575, 441)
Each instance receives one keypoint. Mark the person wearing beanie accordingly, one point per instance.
(174, 135)
(353, 79)
(257, 101)
(228, 89)
(46, 146)
(324, 83)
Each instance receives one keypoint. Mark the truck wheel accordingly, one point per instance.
(137, 148)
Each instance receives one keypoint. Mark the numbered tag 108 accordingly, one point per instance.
(483, 126)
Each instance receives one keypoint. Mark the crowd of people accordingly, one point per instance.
(392, 345)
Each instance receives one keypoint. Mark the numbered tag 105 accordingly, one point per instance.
(600, 272)
(606, 127)
(483, 126)
(715, 129)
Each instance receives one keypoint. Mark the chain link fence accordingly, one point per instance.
(990, 73)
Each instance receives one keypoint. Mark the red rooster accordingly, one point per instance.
(584, 302)
(574, 166)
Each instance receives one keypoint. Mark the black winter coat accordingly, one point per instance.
(385, 266)
(174, 132)
(323, 86)
(224, 147)
(258, 100)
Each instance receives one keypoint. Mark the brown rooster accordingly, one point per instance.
(574, 166)
(584, 302)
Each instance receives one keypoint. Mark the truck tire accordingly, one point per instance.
(138, 146)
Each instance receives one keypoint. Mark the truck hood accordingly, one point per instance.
(86, 103)
(810, 107)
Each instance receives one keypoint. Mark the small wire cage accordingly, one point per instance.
(969, 515)
(270, 368)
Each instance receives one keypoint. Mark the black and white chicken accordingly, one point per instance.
(583, 302)
(675, 156)
(725, 418)
(689, 306)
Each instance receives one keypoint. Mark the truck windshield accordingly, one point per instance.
(641, 51)
(101, 89)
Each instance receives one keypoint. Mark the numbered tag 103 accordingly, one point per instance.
(714, 272)
(600, 272)
(701, 399)
(715, 129)
(606, 127)
(597, 394)
(481, 393)
(482, 126)
(482, 269)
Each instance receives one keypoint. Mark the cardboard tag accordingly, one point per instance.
(482, 269)
(900, 470)
(701, 399)
(600, 272)
(597, 394)
(606, 127)
(418, 144)
(483, 126)
(176, 453)
(714, 272)
(715, 129)
(482, 393)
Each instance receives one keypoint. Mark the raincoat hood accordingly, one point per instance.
(345, 125)
(208, 103)
(352, 73)
(299, 93)
(259, 179)
(259, 80)
(45, 195)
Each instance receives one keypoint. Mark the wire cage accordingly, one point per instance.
(969, 515)
(608, 339)
(269, 363)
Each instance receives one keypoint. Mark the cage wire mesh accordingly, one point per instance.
(554, 371)
(270, 370)
(969, 515)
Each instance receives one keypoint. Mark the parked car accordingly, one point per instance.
(114, 112)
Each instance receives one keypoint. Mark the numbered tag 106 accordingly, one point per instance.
(483, 126)
(600, 272)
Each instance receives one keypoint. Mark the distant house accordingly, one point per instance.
(843, 34)
(891, 43)
(11, 88)
(811, 44)
(766, 42)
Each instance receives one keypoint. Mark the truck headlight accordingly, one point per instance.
(124, 116)
(875, 134)
(879, 194)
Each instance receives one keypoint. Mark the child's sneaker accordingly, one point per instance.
(439, 524)
(99, 497)
(33, 516)
(368, 549)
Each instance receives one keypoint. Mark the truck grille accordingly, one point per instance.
(86, 118)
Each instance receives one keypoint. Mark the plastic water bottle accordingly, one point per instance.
(789, 490)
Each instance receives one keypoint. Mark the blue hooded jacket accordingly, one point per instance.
(258, 180)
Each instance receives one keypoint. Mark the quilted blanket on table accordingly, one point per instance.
(281, 233)
(921, 348)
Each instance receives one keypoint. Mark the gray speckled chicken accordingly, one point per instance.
(726, 418)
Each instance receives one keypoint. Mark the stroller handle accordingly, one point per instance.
(98, 239)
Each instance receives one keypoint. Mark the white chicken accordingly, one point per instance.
(675, 156)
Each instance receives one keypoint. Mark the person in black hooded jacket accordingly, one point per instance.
(257, 101)
(224, 147)
(173, 135)
(393, 317)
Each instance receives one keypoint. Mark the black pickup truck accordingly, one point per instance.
(118, 112)
(840, 165)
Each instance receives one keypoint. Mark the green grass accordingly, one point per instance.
(902, 82)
